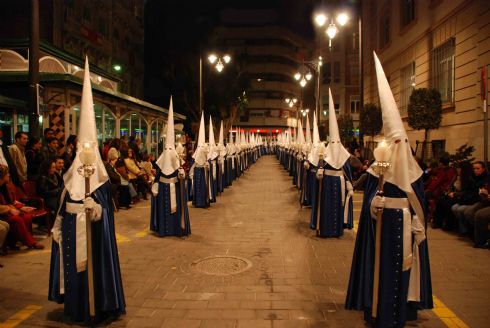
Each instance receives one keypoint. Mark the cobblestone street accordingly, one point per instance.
(291, 278)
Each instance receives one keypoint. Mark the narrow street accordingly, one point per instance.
(286, 276)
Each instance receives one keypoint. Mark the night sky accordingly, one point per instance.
(176, 32)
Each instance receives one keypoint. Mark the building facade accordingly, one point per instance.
(272, 55)
(440, 44)
(111, 34)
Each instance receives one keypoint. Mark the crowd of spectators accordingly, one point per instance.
(33, 168)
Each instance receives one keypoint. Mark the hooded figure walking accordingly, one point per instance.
(72, 255)
(169, 212)
(199, 172)
(336, 207)
(390, 274)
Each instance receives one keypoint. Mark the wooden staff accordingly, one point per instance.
(90, 270)
(319, 196)
(377, 249)
(182, 202)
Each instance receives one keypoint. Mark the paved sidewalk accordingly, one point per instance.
(295, 279)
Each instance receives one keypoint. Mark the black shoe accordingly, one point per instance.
(484, 246)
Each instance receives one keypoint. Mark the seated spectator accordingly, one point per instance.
(18, 155)
(440, 180)
(49, 185)
(470, 195)
(47, 134)
(147, 166)
(443, 216)
(482, 224)
(70, 150)
(16, 214)
(50, 151)
(120, 185)
(4, 229)
(60, 167)
(34, 158)
(136, 175)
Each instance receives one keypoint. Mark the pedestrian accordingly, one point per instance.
(6, 160)
(335, 210)
(68, 281)
(390, 274)
(200, 170)
(169, 212)
(213, 164)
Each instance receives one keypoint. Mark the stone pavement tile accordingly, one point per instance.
(203, 314)
(254, 324)
(193, 296)
(273, 314)
(306, 315)
(181, 323)
(218, 324)
(271, 296)
(226, 304)
(191, 304)
(286, 305)
(145, 312)
(169, 313)
(158, 304)
(237, 314)
(240, 296)
(255, 305)
(290, 324)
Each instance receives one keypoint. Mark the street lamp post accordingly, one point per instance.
(331, 32)
(219, 63)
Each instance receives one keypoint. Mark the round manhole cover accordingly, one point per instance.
(222, 265)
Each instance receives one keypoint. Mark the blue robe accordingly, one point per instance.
(221, 176)
(108, 288)
(312, 191)
(331, 206)
(393, 308)
(199, 192)
(162, 221)
(230, 171)
(213, 180)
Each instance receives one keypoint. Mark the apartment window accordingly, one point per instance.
(384, 31)
(331, 73)
(442, 70)
(327, 73)
(407, 86)
(86, 15)
(355, 104)
(336, 72)
(408, 11)
(326, 105)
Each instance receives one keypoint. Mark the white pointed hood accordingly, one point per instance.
(201, 153)
(168, 161)
(314, 156)
(230, 146)
(213, 149)
(87, 138)
(300, 138)
(336, 155)
(308, 132)
(221, 145)
(404, 169)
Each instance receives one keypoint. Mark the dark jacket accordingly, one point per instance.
(13, 172)
(471, 192)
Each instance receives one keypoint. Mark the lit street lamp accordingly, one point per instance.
(331, 31)
(219, 66)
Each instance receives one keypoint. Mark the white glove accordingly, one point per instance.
(181, 173)
(377, 203)
(319, 174)
(56, 230)
(154, 189)
(90, 204)
(418, 230)
(307, 165)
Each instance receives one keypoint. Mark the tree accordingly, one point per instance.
(425, 112)
(346, 129)
(370, 120)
